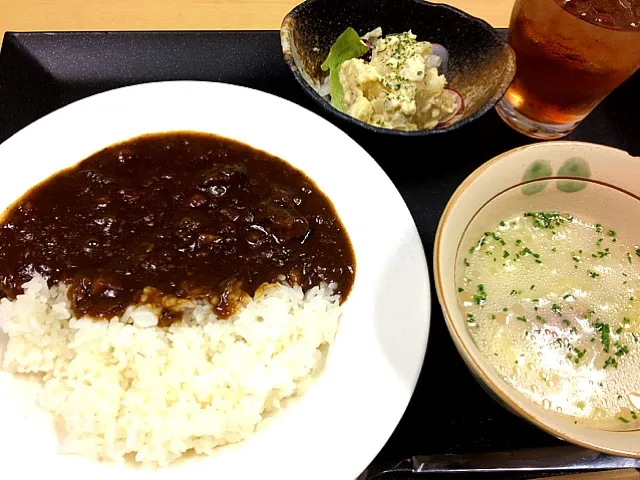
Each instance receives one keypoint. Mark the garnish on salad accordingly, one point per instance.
(393, 82)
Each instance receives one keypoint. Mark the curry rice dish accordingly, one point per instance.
(171, 291)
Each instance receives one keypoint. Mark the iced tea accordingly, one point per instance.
(570, 54)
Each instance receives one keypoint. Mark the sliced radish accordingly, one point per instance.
(440, 51)
(460, 106)
(433, 61)
(324, 90)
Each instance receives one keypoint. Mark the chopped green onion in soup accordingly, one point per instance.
(554, 309)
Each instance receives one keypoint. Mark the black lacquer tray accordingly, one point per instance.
(449, 412)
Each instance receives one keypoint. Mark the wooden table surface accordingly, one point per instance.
(55, 15)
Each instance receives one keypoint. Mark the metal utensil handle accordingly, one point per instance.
(624, 474)
(561, 459)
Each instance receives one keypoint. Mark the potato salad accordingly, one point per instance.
(394, 84)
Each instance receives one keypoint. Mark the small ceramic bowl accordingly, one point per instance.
(594, 183)
(481, 64)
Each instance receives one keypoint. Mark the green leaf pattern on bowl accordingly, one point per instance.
(537, 169)
(574, 167)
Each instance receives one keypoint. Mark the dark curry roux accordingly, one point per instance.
(174, 216)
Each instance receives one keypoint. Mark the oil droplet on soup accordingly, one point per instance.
(550, 301)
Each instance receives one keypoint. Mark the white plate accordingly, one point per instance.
(343, 421)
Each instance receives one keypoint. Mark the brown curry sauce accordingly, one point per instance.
(173, 216)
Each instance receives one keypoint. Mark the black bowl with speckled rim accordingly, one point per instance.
(481, 64)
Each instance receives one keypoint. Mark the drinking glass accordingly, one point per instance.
(570, 54)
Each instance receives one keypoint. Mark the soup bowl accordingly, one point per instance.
(592, 182)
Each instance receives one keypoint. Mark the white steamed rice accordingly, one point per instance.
(127, 386)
